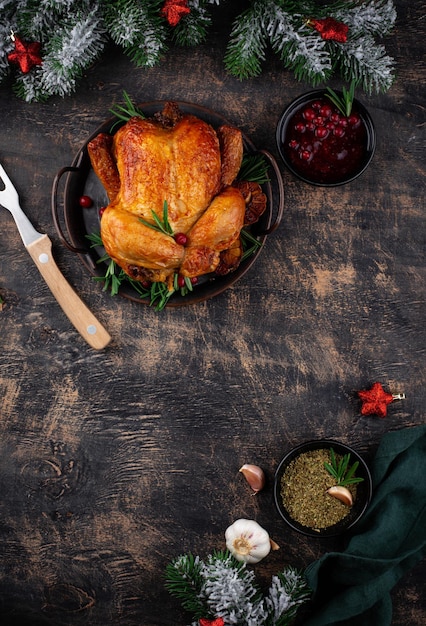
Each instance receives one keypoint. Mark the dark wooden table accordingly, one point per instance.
(112, 463)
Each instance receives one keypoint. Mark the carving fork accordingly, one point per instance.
(39, 247)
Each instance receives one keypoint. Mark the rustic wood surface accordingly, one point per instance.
(112, 463)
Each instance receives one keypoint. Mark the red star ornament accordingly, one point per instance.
(26, 55)
(212, 622)
(331, 29)
(174, 10)
(375, 401)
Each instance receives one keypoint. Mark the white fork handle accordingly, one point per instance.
(73, 307)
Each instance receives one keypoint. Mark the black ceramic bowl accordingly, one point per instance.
(363, 495)
(320, 145)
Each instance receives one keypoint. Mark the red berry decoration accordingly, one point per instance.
(375, 401)
(102, 211)
(181, 239)
(86, 202)
(181, 281)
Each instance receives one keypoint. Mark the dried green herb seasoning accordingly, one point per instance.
(304, 487)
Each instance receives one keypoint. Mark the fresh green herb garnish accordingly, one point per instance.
(254, 168)
(250, 243)
(341, 471)
(128, 110)
(161, 225)
(343, 103)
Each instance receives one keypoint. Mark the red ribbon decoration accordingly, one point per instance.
(26, 55)
(375, 401)
(331, 29)
(219, 621)
(174, 10)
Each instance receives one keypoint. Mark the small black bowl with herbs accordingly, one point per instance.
(326, 138)
(322, 488)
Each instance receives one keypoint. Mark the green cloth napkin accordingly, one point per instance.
(352, 587)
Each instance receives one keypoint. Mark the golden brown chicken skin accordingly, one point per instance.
(179, 160)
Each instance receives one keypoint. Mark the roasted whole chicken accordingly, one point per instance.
(178, 159)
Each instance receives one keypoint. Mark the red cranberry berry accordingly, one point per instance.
(102, 211)
(316, 105)
(194, 280)
(321, 132)
(335, 117)
(305, 155)
(319, 121)
(354, 120)
(310, 126)
(181, 281)
(181, 239)
(339, 131)
(330, 126)
(325, 111)
(309, 114)
(300, 127)
(294, 144)
(343, 122)
(85, 202)
(146, 284)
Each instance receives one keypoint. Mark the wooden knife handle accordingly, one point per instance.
(73, 307)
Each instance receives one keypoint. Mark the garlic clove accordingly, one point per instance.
(342, 494)
(274, 546)
(254, 475)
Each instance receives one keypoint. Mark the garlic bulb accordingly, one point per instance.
(248, 541)
(254, 475)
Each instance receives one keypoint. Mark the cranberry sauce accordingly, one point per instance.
(324, 146)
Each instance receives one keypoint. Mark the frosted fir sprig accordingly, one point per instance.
(223, 587)
(285, 26)
(143, 33)
(72, 49)
(138, 29)
(297, 46)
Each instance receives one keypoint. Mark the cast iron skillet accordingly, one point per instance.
(79, 222)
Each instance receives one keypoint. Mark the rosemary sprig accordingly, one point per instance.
(161, 225)
(250, 243)
(254, 168)
(128, 110)
(343, 103)
(340, 470)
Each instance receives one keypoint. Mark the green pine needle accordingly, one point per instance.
(184, 581)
